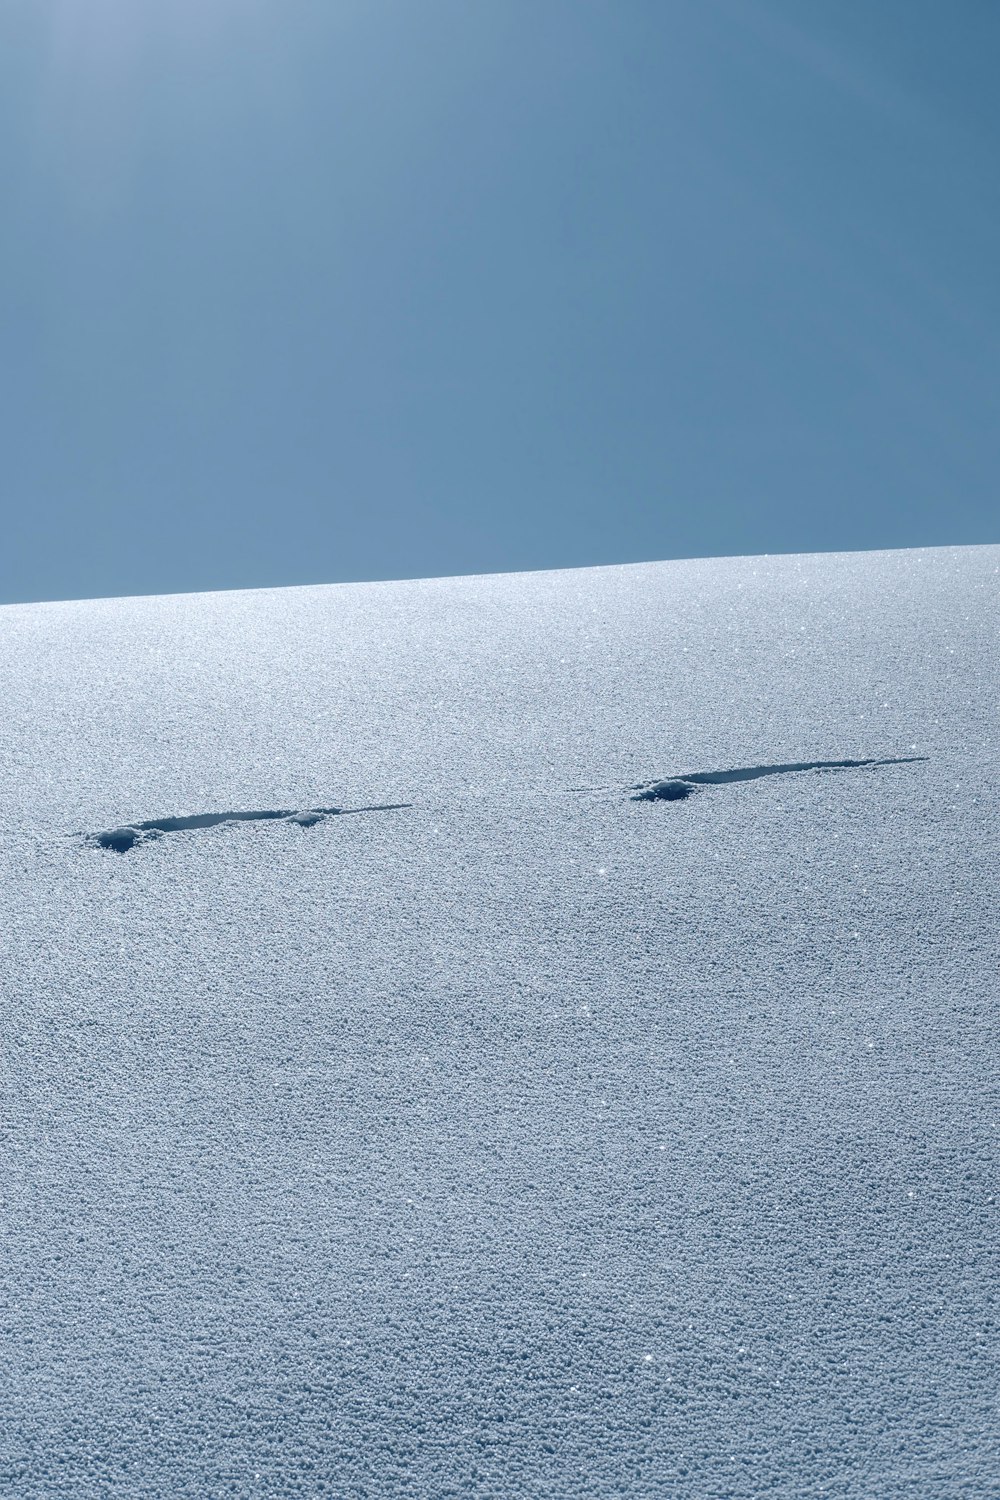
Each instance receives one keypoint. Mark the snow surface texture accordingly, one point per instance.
(534, 1138)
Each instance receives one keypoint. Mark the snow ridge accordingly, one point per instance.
(676, 788)
(122, 839)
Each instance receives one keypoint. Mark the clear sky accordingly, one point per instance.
(310, 290)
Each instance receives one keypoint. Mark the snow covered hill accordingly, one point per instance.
(424, 1075)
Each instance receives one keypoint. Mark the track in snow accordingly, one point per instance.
(672, 789)
(122, 839)
(677, 788)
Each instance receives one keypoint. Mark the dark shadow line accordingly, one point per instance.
(751, 773)
(375, 807)
(122, 839)
(677, 788)
(210, 820)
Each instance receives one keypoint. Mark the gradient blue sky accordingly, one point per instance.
(310, 290)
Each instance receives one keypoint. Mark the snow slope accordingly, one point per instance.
(535, 1137)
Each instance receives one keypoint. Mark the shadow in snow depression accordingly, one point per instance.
(677, 788)
(121, 840)
(671, 789)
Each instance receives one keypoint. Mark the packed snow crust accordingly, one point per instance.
(533, 1138)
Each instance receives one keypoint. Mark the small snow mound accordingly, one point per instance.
(673, 790)
(121, 840)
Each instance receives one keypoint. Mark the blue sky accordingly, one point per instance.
(340, 289)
